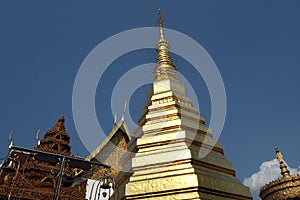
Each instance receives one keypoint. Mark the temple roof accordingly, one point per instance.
(110, 152)
(24, 176)
(120, 126)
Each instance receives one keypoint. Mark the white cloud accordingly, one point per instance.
(268, 171)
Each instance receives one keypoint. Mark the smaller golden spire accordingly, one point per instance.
(284, 171)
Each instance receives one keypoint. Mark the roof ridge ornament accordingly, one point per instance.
(284, 170)
(124, 111)
(115, 120)
(37, 136)
(11, 142)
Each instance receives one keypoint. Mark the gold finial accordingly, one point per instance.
(160, 18)
(284, 171)
(161, 24)
(165, 67)
(61, 119)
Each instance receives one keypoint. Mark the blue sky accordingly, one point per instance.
(255, 45)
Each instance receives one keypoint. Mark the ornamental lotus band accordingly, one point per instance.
(165, 160)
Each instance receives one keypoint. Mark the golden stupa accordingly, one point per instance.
(285, 188)
(165, 163)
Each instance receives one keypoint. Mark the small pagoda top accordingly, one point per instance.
(56, 140)
(285, 188)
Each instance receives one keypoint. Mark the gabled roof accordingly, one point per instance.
(120, 126)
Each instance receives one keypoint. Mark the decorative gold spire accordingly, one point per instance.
(165, 67)
(284, 171)
(286, 187)
(161, 24)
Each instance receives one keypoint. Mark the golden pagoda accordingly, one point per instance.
(285, 188)
(165, 162)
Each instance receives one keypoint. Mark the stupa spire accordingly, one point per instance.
(165, 67)
(286, 187)
(284, 171)
(161, 24)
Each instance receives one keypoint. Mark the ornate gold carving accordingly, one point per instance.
(284, 171)
(287, 187)
(281, 189)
